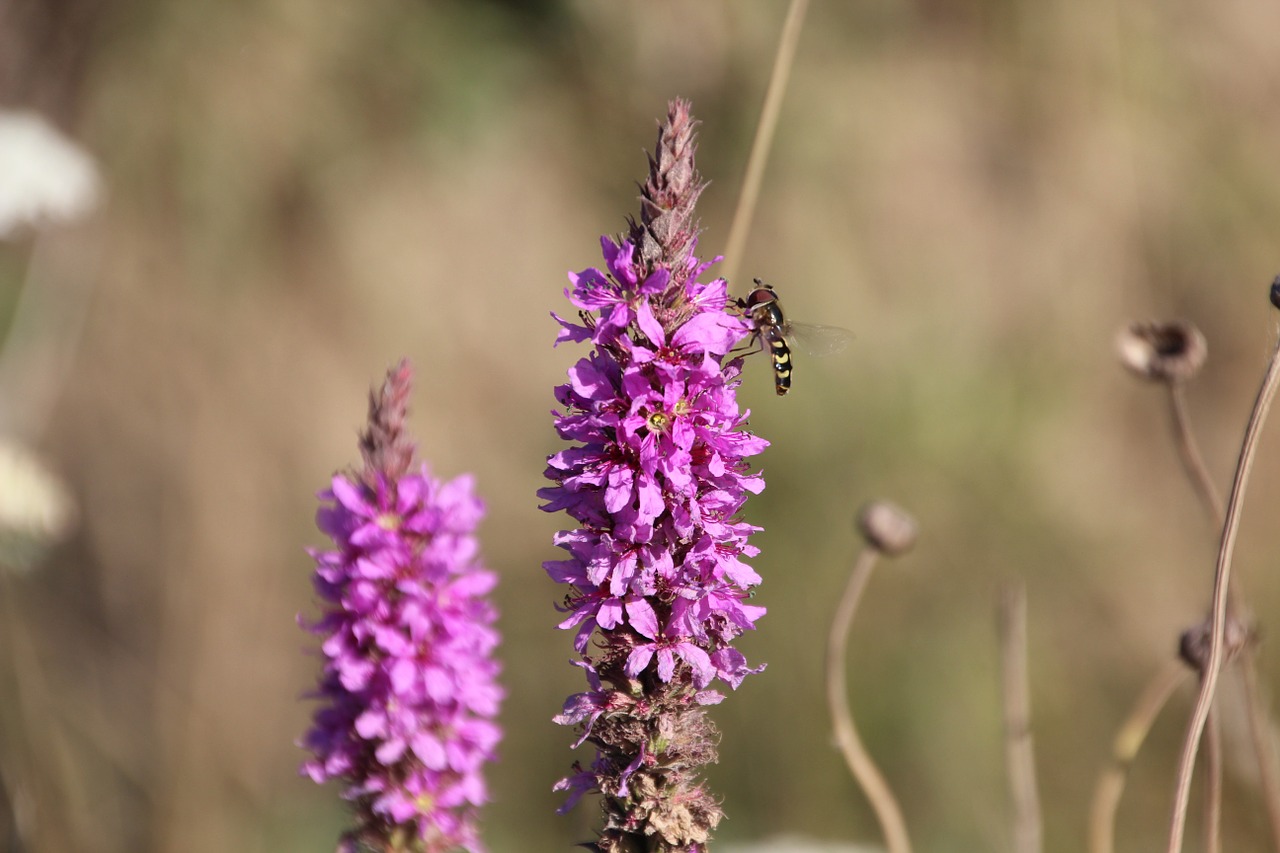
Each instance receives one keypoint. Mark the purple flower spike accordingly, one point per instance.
(408, 690)
(656, 476)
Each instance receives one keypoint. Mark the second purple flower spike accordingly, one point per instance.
(409, 681)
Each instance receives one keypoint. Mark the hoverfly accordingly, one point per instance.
(762, 308)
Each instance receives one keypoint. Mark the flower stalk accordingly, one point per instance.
(1218, 623)
(888, 531)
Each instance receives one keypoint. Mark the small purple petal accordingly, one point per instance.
(642, 617)
(649, 325)
(639, 659)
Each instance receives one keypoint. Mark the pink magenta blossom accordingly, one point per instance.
(656, 476)
(408, 688)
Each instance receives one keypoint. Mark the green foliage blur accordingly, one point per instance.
(984, 192)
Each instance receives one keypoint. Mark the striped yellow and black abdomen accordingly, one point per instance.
(780, 353)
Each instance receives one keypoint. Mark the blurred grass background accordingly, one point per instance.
(984, 191)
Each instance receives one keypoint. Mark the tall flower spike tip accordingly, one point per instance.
(385, 446)
(667, 232)
(655, 477)
(408, 689)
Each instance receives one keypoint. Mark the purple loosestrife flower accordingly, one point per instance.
(655, 478)
(409, 686)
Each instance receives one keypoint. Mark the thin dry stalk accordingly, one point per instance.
(1213, 785)
(860, 764)
(1260, 734)
(1202, 483)
(1259, 722)
(1189, 453)
(1020, 761)
(1128, 741)
(745, 211)
(1222, 578)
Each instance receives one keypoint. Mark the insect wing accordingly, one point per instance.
(817, 340)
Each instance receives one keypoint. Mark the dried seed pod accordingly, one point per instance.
(1193, 645)
(1169, 351)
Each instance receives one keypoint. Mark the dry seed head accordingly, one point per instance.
(1172, 351)
(887, 527)
(1193, 645)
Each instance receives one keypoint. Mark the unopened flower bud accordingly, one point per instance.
(887, 527)
(1172, 351)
